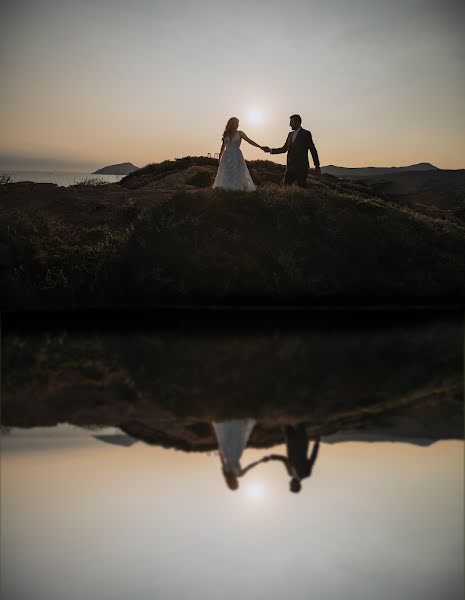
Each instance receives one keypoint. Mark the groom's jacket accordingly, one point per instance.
(297, 150)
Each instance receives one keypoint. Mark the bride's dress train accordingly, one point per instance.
(233, 173)
(232, 437)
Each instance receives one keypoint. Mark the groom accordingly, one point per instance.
(298, 143)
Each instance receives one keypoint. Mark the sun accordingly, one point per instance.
(255, 491)
(255, 116)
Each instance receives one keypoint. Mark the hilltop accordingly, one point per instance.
(426, 189)
(162, 236)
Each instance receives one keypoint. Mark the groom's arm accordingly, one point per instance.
(314, 454)
(283, 459)
(285, 148)
(311, 147)
(252, 465)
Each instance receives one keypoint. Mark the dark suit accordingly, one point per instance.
(297, 157)
(297, 443)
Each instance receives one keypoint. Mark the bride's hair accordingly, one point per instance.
(231, 479)
(231, 126)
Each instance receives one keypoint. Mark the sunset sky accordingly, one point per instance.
(96, 82)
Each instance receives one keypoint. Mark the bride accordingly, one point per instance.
(233, 173)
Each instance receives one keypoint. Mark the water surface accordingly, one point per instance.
(112, 477)
(62, 178)
(85, 519)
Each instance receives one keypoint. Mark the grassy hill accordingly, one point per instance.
(163, 236)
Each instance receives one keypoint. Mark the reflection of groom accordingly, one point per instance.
(298, 143)
(297, 464)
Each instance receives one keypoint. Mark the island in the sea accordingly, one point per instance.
(119, 169)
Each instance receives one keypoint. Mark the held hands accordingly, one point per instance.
(265, 148)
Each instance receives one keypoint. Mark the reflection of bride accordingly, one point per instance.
(232, 437)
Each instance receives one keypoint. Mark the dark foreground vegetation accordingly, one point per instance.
(163, 236)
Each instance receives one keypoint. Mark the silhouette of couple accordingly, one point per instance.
(233, 173)
(233, 435)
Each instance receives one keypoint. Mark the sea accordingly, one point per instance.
(61, 178)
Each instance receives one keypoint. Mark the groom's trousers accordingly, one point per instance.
(298, 176)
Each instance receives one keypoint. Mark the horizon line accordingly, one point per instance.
(80, 169)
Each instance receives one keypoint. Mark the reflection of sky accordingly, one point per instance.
(91, 520)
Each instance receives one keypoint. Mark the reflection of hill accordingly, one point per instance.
(396, 432)
(164, 382)
(416, 424)
(117, 440)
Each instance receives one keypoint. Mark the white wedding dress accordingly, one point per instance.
(233, 173)
(232, 437)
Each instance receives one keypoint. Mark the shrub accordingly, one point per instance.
(200, 179)
(96, 181)
(57, 262)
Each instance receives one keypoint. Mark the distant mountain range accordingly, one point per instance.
(369, 171)
(126, 168)
(119, 169)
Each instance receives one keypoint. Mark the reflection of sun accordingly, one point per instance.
(255, 116)
(255, 491)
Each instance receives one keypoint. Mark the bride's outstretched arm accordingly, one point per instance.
(247, 139)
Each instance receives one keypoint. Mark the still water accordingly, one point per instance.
(157, 460)
(62, 178)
